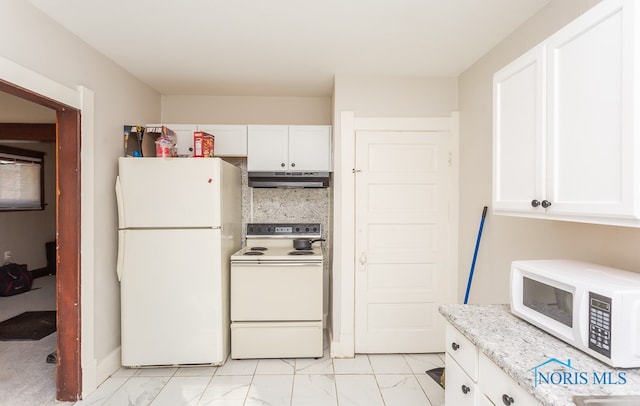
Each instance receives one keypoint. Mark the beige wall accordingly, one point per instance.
(507, 238)
(38, 44)
(392, 96)
(245, 110)
(16, 110)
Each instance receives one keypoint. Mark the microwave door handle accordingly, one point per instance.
(581, 319)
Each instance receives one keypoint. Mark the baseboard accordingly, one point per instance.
(108, 365)
(40, 272)
(98, 371)
(343, 348)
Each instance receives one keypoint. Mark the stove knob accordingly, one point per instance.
(297, 229)
(306, 229)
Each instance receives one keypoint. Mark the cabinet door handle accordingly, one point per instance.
(455, 346)
(465, 389)
(535, 203)
(546, 203)
(283, 164)
(507, 400)
(293, 164)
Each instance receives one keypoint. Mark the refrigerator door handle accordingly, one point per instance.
(120, 261)
(119, 203)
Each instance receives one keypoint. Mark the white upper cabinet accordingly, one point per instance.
(268, 148)
(310, 147)
(184, 137)
(289, 148)
(565, 133)
(230, 140)
(519, 134)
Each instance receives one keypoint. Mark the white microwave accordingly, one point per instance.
(592, 307)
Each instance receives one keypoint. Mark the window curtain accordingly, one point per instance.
(20, 182)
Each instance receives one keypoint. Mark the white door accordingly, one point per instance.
(402, 241)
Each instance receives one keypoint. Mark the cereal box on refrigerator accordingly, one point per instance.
(203, 144)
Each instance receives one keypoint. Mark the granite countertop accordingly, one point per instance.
(517, 347)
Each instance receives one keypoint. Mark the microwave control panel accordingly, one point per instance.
(600, 324)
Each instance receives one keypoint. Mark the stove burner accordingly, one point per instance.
(258, 248)
(301, 252)
(253, 253)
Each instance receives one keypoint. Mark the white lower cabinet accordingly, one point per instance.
(461, 370)
(484, 401)
(472, 379)
(500, 388)
(460, 389)
(463, 351)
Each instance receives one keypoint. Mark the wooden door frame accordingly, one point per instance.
(68, 371)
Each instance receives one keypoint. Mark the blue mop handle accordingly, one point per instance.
(475, 255)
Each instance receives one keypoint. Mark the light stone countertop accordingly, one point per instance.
(517, 347)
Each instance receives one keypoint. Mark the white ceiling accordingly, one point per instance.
(287, 47)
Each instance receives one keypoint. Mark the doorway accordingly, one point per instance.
(68, 370)
(345, 257)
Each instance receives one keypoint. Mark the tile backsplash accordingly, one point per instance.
(282, 205)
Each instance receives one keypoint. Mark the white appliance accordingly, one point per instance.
(179, 222)
(592, 307)
(276, 294)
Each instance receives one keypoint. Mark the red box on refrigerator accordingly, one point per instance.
(203, 144)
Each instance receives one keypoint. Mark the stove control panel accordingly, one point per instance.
(284, 230)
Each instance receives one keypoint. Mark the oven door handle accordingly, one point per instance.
(276, 263)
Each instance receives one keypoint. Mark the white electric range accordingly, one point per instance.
(276, 293)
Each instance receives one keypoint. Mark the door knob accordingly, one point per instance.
(363, 261)
(546, 203)
(535, 203)
(465, 389)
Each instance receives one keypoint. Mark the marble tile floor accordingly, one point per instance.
(366, 380)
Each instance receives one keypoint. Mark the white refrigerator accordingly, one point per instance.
(179, 222)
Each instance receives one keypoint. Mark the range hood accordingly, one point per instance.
(289, 179)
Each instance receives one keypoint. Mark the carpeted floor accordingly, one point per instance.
(26, 379)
